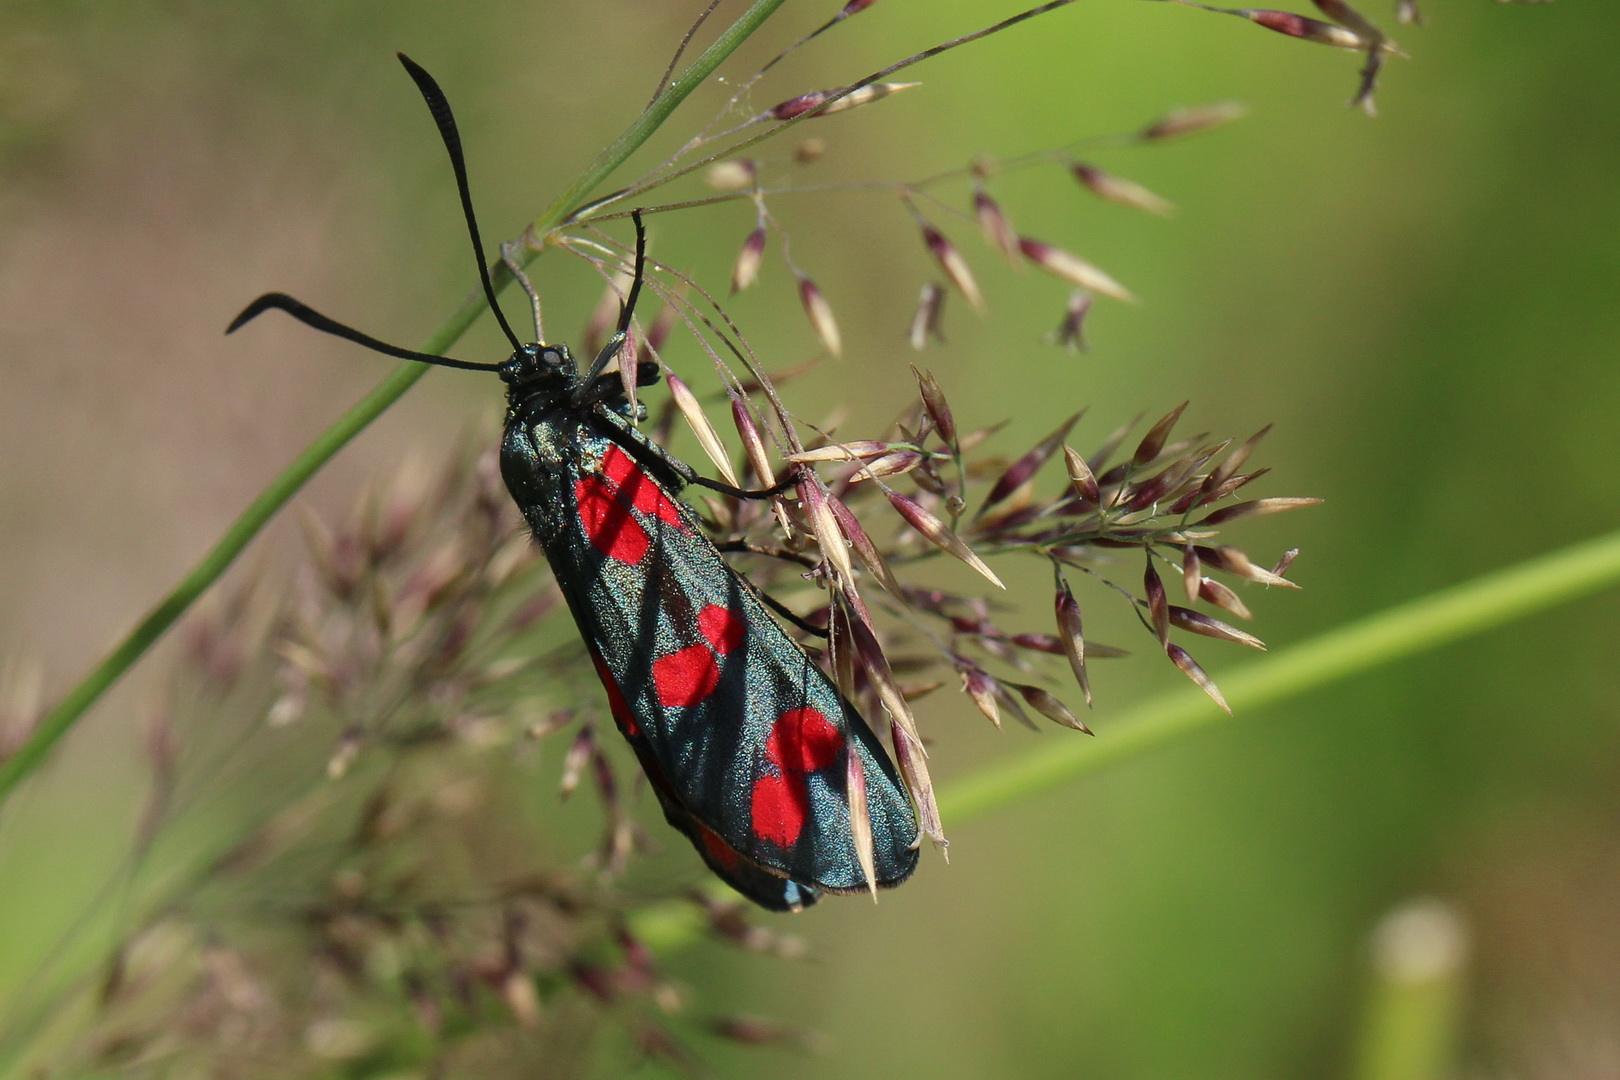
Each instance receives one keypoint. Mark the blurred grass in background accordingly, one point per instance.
(1422, 302)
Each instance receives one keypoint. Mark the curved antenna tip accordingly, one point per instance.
(439, 106)
(310, 317)
(257, 308)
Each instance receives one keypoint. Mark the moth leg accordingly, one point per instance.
(783, 610)
(674, 474)
(734, 546)
(608, 387)
(627, 312)
(507, 247)
(742, 493)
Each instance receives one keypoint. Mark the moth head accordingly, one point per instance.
(539, 366)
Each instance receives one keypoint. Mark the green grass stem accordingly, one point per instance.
(1405, 630)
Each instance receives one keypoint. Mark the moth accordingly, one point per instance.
(749, 747)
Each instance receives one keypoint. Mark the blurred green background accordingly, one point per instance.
(1421, 302)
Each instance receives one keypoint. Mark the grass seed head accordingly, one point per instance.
(938, 409)
(827, 102)
(1071, 268)
(1305, 28)
(1049, 706)
(1117, 189)
(746, 269)
(739, 174)
(820, 315)
(1189, 667)
(1196, 622)
(929, 319)
(1221, 596)
(1187, 121)
(1152, 443)
(1071, 634)
(1158, 603)
(993, 222)
(937, 533)
(1071, 332)
(954, 266)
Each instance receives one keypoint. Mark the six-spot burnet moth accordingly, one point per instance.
(752, 751)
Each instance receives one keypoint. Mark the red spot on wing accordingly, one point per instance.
(716, 848)
(780, 806)
(722, 628)
(686, 676)
(642, 490)
(617, 466)
(801, 742)
(606, 498)
(607, 522)
(616, 703)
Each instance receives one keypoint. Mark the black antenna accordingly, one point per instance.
(440, 108)
(310, 317)
(627, 310)
(639, 275)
